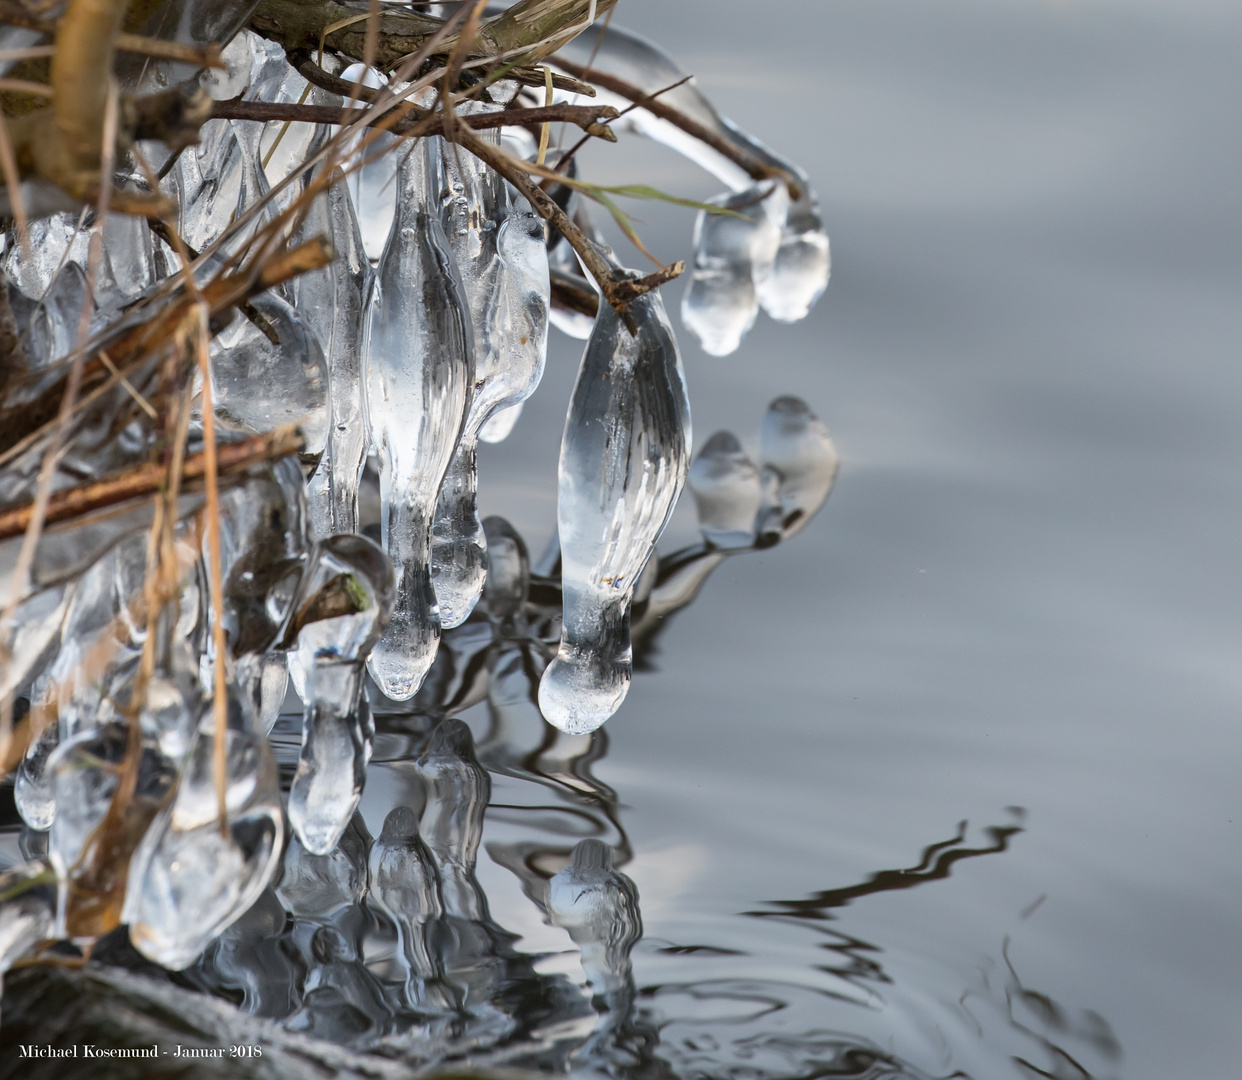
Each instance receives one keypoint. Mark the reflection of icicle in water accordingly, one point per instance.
(599, 908)
(795, 448)
(498, 246)
(404, 887)
(725, 483)
(344, 605)
(624, 457)
(419, 369)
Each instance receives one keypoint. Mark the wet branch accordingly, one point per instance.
(755, 167)
(418, 122)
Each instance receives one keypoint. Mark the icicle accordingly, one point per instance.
(420, 369)
(731, 253)
(374, 186)
(624, 457)
(188, 880)
(498, 246)
(343, 608)
(55, 241)
(795, 448)
(727, 492)
(332, 301)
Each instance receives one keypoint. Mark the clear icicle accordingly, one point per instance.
(189, 880)
(795, 447)
(55, 241)
(346, 600)
(404, 887)
(333, 302)
(731, 254)
(32, 788)
(499, 248)
(374, 186)
(624, 457)
(213, 183)
(270, 370)
(420, 369)
(802, 265)
(727, 492)
(599, 908)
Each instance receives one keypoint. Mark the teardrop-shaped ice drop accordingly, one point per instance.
(189, 879)
(795, 445)
(499, 248)
(419, 368)
(731, 253)
(803, 262)
(624, 457)
(32, 788)
(345, 603)
(727, 492)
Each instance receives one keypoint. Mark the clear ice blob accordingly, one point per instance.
(420, 369)
(345, 604)
(270, 370)
(624, 457)
(727, 492)
(731, 253)
(794, 445)
(191, 877)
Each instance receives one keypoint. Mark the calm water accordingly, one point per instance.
(948, 783)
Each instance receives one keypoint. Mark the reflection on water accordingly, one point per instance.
(388, 945)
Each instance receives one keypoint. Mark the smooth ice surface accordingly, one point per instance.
(419, 370)
(624, 457)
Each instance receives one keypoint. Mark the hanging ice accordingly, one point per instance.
(727, 492)
(802, 265)
(191, 877)
(345, 603)
(333, 302)
(498, 246)
(731, 253)
(624, 457)
(420, 369)
(795, 448)
(374, 186)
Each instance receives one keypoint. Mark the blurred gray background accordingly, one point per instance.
(1026, 590)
